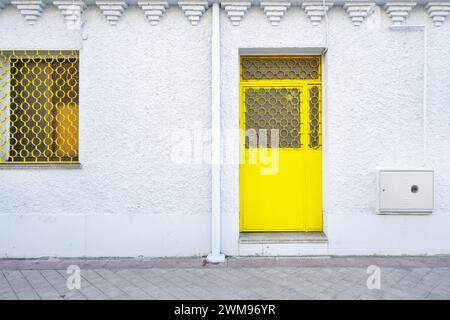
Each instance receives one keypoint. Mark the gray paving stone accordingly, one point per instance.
(106, 287)
(20, 286)
(137, 280)
(342, 278)
(58, 281)
(42, 287)
(436, 296)
(120, 282)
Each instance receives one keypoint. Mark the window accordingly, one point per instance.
(39, 106)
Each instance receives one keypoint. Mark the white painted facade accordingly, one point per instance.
(148, 72)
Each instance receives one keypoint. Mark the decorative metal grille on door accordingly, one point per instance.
(39, 106)
(280, 68)
(272, 117)
(314, 118)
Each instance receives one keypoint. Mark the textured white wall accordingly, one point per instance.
(374, 85)
(138, 83)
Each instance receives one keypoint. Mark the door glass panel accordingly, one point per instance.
(272, 117)
(314, 118)
(294, 68)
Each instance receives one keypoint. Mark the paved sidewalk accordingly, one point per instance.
(237, 278)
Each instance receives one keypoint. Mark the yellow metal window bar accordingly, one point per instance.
(281, 68)
(315, 123)
(271, 109)
(39, 106)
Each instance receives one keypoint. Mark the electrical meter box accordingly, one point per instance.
(405, 191)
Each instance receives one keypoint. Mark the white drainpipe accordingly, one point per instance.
(215, 256)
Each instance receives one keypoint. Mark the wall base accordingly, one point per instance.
(104, 235)
(372, 234)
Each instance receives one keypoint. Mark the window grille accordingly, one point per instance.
(279, 68)
(314, 118)
(39, 106)
(273, 111)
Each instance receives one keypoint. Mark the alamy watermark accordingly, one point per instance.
(74, 279)
(195, 146)
(374, 278)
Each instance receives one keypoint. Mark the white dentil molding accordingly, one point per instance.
(275, 10)
(438, 11)
(359, 11)
(315, 10)
(236, 10)
(193, 10)
(72, 11)
(154, 10)
(30, 9)
(112, 10)
(399, 11)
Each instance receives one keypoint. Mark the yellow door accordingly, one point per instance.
(281, 144)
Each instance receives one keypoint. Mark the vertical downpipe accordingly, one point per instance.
(215, 256)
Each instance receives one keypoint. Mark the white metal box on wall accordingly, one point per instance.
(405, 191)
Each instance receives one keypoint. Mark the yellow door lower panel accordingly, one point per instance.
(281, 154)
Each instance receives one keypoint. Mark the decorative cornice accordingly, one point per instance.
(236, 10)
(72, 11)
(399, 11)
(112, 10)
(154, 10)
(358, 11)
(193, 10)
(438, 11)
(275, 10)
(316, 10)
(30, 9)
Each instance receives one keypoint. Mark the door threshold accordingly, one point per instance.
(282, 237)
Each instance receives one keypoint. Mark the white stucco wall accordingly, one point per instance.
(374, 85)
(138, 83)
